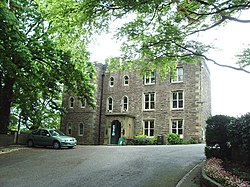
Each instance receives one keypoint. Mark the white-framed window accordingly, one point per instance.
(149, 101)
(177, 127)
(125, 103)
(177, 100)
(81, 129)
(111, 81)
(178, 77)
(149, 78)
(71, 102)
(148, 128)
(125, 80)
(109, 104)
(69, 129)
(83, 103)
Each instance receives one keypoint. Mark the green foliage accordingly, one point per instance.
(140, 136)
(216, 130)
(174, 139)
(152, 141)
(229, 138)
(239, 136)
(211, 152)
(216, 134)
(244, 58)
(143, 140)
(36, 66)
(156, 33)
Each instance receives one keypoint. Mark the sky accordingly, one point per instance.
(230, 89)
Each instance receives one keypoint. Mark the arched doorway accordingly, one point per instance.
(115, 132)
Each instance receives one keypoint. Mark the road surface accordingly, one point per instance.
(104, 166)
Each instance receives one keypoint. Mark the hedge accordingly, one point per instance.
(228, 138)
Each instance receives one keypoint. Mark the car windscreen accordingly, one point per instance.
(56, 133)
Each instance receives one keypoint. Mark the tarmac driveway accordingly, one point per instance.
(104, 166)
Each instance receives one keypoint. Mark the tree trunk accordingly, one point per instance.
(6, 96)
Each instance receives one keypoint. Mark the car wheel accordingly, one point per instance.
(56, 145)
(30, 143)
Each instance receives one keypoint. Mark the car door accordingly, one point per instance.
(45, 138)
(36, 136)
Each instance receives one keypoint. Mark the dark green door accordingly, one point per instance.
(115, 132)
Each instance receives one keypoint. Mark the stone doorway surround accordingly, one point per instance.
(127, 126)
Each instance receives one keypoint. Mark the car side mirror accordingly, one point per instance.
(47, 135)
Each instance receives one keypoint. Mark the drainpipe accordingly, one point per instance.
(100, 110)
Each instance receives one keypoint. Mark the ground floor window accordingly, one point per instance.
(148, 128)
(69, 129)
(81, 129)
(177, 127)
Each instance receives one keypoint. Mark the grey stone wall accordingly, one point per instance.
(88, 116)
(193, 113)
(197, 104)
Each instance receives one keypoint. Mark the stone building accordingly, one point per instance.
(128, 104)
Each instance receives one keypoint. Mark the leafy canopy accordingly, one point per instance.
(37, 64)
(161, 34)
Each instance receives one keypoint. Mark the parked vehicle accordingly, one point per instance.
(50, 137)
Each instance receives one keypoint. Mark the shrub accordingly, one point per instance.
(141, 140)
(211, 152)
(152, 141)
(239, 135)
(216, 134)
(232, 135)
(174, 139)
(140, 136)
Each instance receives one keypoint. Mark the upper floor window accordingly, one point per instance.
(81, 129)
(111, 81)
(110, 104)
(83, 102)
(71, 102)
(178, 77)
(177, 100)
(125, 80)
(148, 128)
(177, 127)
(125, 103)
(149, 78)
(149, 101)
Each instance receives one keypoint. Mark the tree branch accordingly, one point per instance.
(226, 66)
(209, 59)
(219, 12)
(207, 28)
(235, 19)
(32, 26)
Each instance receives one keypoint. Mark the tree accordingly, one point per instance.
(35, 68)
(160, 34)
